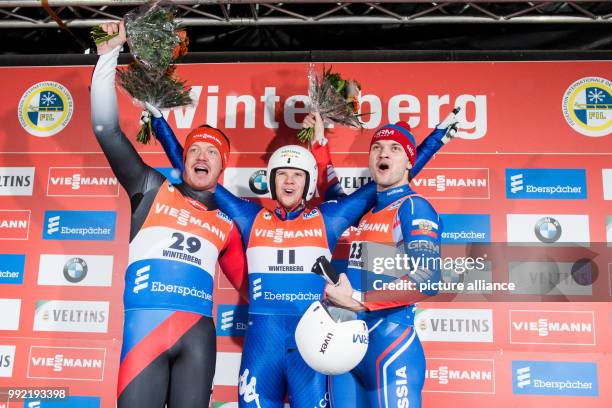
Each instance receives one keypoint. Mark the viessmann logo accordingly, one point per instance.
(453, 183)
(16, 181)
(66, 363)
(459, 375)
(552, 327)
(14, 224)
(82, 181)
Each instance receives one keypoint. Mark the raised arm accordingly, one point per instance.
(163, 132)
(240, 210)
(133, 174)
(328, 184)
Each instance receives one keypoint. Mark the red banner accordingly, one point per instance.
(531, 163)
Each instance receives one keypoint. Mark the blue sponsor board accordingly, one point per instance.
(279, 293)
(232, 320)
(546, 184)
(567, 378)
(168, 284)
(79, 225)
(465, 228)
(11, 268)
(173, 175)
(70, 402)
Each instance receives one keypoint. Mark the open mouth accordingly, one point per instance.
(201, 169)
(288, 191)
(383, 166)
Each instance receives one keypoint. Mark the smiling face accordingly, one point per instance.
(389, 164)
(289, 185)
(203, 166)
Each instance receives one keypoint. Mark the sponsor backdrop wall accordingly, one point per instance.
(531, 163)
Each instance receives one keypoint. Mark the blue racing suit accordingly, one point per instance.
(281, 249)
(392, 372)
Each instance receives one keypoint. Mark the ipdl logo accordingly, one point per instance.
(45, 109)
(587, 106)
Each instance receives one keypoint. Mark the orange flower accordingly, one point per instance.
(181, 47)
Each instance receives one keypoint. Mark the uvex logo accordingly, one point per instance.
(360, 338)
(326, 341)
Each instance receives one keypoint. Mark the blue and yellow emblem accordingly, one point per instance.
(45, 109)
(587, 106)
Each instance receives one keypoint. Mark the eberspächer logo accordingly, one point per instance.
(587, 106)
(45, 109)
(566, 378)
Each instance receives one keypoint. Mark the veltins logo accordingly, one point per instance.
(45, 109)
(352, 178)
(7, 360)
(566, 378)
(75, 270)
(11, 310)
(465, 228)
(606, 176)
(12, 267)
(549, 278)
(70, 402)
(453, 183)
(552, 327)
(548, 228)
(546, 184)
(82, 182)
(71, 316)
(79, 225)
(455, 325)
(232, 320)
(460, 375)
(16, 181)
(66, 363)
(586, 106)
(14, 224)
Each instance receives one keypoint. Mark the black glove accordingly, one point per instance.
(326, 270)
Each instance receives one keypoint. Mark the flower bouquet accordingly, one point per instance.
(155, 42)
(336, 99)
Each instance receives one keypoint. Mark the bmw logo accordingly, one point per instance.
(75, 270)
(548, 230)
(258, 183)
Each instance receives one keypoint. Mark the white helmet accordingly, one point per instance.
(327, 346)
(294, 157)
